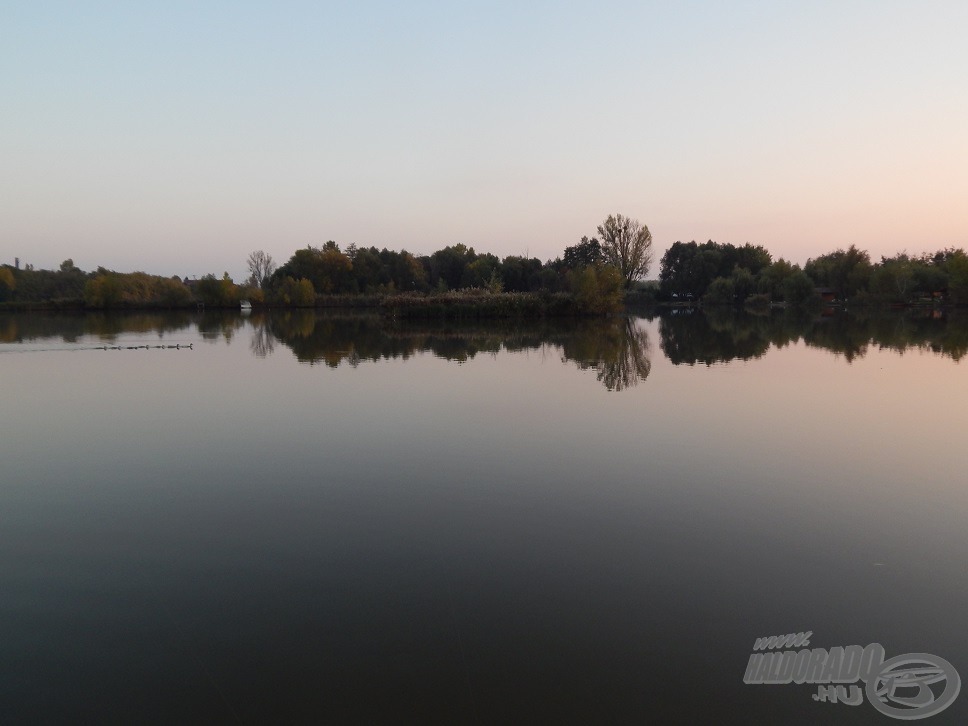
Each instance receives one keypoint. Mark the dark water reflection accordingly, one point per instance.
(70, 328)
(617, 348)
(317, 518)
(719, 335)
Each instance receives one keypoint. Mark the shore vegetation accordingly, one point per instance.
(595, 276)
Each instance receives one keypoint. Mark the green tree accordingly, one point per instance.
(799, 290)
(753, 257)
(299, 293)
(627, 246)
(448, 265)
(369, 271)
(209, 290)
(893, 279)
(956, 266)
(479, 272)
(328, 269)
(846, 271)
(598, 289)
(720, 292)
(406, 272)
(687, 267)
(521, 274)
(744, 283)
(771, 279)
(586, 252)
(929, 278)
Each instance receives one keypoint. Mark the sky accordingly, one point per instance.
(178, 137)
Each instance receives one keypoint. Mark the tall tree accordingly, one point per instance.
(261, 266)
(627, 245)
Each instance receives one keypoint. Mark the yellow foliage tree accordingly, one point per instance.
(7, 283)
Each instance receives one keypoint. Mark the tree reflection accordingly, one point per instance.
(263, 342)
(215, 325)
(71, 327)
(698, 338)
(720, 335)
(617, 348)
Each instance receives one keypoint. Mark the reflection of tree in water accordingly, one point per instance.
(332, 339)
(698, 338)
(71, 327)
(944, 333)
(263, 343)
(839, 334)
(616, 348)
(724, 334)
(214, 325)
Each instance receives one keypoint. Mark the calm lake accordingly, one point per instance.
(308, 518)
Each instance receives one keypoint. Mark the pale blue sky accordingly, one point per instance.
(177, 137)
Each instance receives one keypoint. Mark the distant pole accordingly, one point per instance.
(16, 263)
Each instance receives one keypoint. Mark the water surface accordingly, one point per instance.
(313, 518)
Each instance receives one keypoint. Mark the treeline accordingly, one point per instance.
(71, 287)
(591, 276)
(64, 286)
(721, 273)
(452, 282)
